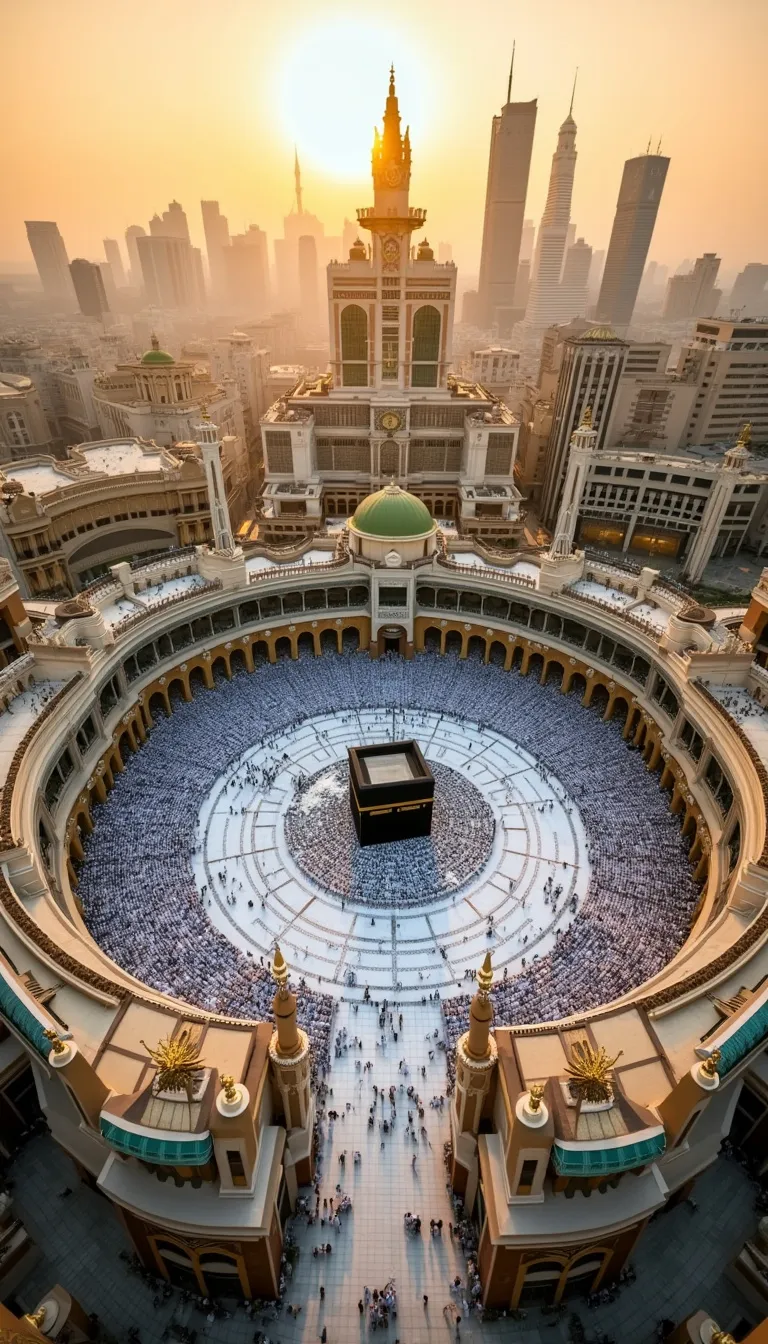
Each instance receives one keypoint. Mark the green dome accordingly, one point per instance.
(393, 513)
(157, 357)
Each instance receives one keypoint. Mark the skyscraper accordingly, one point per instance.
(112, 253)
(544, 299)
(694, 294)
(308, 286)
(89, 287)
(51, 260)
(573, 286)
(508, 167)
(216, 228)
(132, 233)
(748, 296)
(638, 205)
(589, 378)
(247, 262)
(168, 272)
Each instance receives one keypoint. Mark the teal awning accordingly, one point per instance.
(166, 1152)
(18, 1014)
(743, 1040)
(583, 1161)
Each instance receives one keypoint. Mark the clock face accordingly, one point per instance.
(393, 175)
(390, 250)
(390, 420)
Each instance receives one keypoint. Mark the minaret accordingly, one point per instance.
(581, 451)
(390, 219)
(207, 439)
(543, 303)
(290, 1056)
(476, 1057)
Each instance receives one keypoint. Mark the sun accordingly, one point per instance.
(331, 87)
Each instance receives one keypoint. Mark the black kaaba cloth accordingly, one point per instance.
(391, 792)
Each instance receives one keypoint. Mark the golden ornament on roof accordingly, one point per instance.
(178, 1063)
(485, 976)
(535, 1094)
(588, 1070)
(586, 419)
(228, 1083)
(57, 1045)
(280, 973)
(709, 1067)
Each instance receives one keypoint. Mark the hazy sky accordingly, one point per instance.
(112, 108)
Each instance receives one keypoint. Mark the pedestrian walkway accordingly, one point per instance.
(680, 1260)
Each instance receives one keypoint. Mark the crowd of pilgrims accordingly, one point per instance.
(142, 905)
(321, 836)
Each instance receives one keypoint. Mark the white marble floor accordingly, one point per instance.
(257, 896)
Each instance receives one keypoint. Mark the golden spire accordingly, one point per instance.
(204, 411)
(485, 977)
(228, 1083)
(178, 1063)
(280, 973)
(535, 1094)
(586, 418)
(588, 1070)
(709, 1067)
(745, 437)
(57, 1045)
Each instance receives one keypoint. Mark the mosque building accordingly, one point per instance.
(188, 957)
(388, 409)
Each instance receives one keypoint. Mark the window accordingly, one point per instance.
(354, 346)
(279, 454)
(657, 475)
(602, 471)
(498, 460)
(393, 596)
(389, 458)
(426, 347)
(680, 480)
(527, 1176)
(236, 1167)
(390, 352)
(637, 475)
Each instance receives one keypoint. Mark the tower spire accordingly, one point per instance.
(511, 69)
(297, 178)
(573, 92)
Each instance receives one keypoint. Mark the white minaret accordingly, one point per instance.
(207, 439)
(582, 448)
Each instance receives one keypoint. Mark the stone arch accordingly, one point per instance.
(237, 662)
(329, 641)
(577, 685)
(497, 654)
(350, 639)
(554, 673)
(178, 689)
(220, 668)
(618, 707)
(476, 647)
(260, 650)
(516, 661)
(598, 697)
(126, 743)
(433, 639)
(454, 643)
(283, 648)
(197, 680)
(305, 645)
(535, 666)
(159, 703)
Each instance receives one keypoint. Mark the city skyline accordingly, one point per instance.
(239, 149)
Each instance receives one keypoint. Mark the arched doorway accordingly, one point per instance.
(283, 648)
(476, 648)
(599, 699)
(498, 653)
(431, 639)
(305, 645)
(157, 704)
(389, 459)
(578, 685)
(453, 643)
(329, 642)
(350, 639)
(260, 651)
(554, 675)
(197, 680)
(220, 670)
(535, 666)
(517, 659)
(237, 663)
(391, 639)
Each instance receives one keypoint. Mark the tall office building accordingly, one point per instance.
(247, 262)
(508, 168)
(748, 296)
(638, 205)
(728, 362)
(171, 224)
(112, 253)
(51, 261)
(574, 284)
(132, 233)
(168, 271)
(544, 298)
(309, 295)
(527, 240)
(89, 287)
(297, 223)
(216, 228)
(590, 369)
(694, 294)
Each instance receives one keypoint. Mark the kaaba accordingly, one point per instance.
(391, 792)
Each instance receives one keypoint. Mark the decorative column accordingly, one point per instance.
(476, 1059)
(289, 1053)
(80, 1076)
(680, 1107)
(207, 439)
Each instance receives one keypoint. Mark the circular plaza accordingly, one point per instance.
(230, 832)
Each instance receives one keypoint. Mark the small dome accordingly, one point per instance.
(393, 513)
(156, 355)
(425, 252)
(357, 251)
(600, 334)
